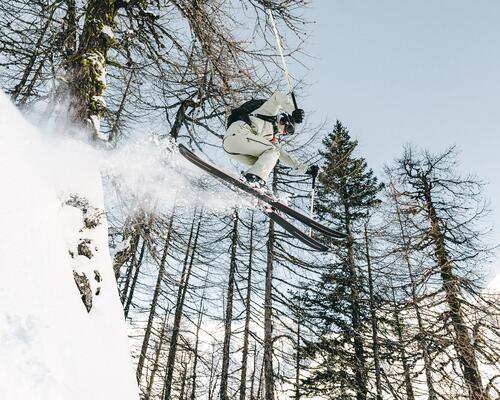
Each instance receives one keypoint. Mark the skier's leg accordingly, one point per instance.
(265, 163)
(241, 144)
(235, 143)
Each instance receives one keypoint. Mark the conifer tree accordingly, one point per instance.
(347, 193)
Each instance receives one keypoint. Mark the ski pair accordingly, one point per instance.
(274, 204)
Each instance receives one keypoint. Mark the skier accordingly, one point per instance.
(252, 137)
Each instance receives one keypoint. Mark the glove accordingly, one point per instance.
(288, 124)
(298, 115)
(313, 171)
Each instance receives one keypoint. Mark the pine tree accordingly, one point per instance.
(347, 193)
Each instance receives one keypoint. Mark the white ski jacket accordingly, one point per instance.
(277, 103)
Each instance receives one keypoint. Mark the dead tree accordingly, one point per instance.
(248, 305)
(268, 306)
(404, 359)
(406, 250)
(229, 311)
(181, 295)
(156, 360)
(445, 209)
(196, 354)
(154, 301)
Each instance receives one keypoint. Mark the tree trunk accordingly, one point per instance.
(359, 351)
(183, 381)
(154, 302)
(70, 28)
(248, 307)
(406, 369)
(261, 384)
(134, 281)
(181, 294)
(252, 379)
(229, 312)
(180, 116)
(197, 342)
(462, 341)
(268, 310)
(374, 322)
(297, 357)
(431, 392)
(156, 362)
(212, 383)
(87, 67)
(130, 269)
(121, 107)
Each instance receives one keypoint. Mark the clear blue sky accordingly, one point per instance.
(398, 72)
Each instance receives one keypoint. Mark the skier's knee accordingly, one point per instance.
(274, 151)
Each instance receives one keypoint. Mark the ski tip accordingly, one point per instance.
(324, 249)
(334, 233)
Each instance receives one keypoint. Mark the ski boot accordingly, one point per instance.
(254, 181)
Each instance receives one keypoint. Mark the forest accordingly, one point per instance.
(219, 301)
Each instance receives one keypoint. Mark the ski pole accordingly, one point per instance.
(311, 208)
(280, 49)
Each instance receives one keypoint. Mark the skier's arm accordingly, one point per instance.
(276, 103)
(291, 162)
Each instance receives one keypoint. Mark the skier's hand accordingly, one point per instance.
(287, 122)
(313, 171)
(298, 115)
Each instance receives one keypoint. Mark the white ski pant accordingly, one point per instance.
(243, 145)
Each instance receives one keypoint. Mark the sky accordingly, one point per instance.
(397, 72)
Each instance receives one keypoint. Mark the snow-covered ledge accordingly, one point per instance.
(51, 347)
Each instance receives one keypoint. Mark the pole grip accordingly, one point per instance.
(294, 101)
(311, 204)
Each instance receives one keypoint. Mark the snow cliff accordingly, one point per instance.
(52, 228)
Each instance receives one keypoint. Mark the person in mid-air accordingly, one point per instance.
(252, 137)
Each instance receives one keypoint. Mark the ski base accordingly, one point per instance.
(296, 232)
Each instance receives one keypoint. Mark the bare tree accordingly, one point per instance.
(445, 209)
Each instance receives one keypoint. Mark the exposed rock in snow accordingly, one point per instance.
(82, 218)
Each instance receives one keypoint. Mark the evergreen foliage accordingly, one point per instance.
(346, 197)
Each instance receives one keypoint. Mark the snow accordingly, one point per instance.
(50, 346)
(494, 285)
(99, 65)
(100, 100)
(96, 60)
(95, 123)
(122, 246)
(159, 177)
(106, 30)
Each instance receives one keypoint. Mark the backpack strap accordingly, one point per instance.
(273, 119)
(268, 118)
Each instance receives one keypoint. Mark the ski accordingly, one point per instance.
(273, 202)
(296, 232)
